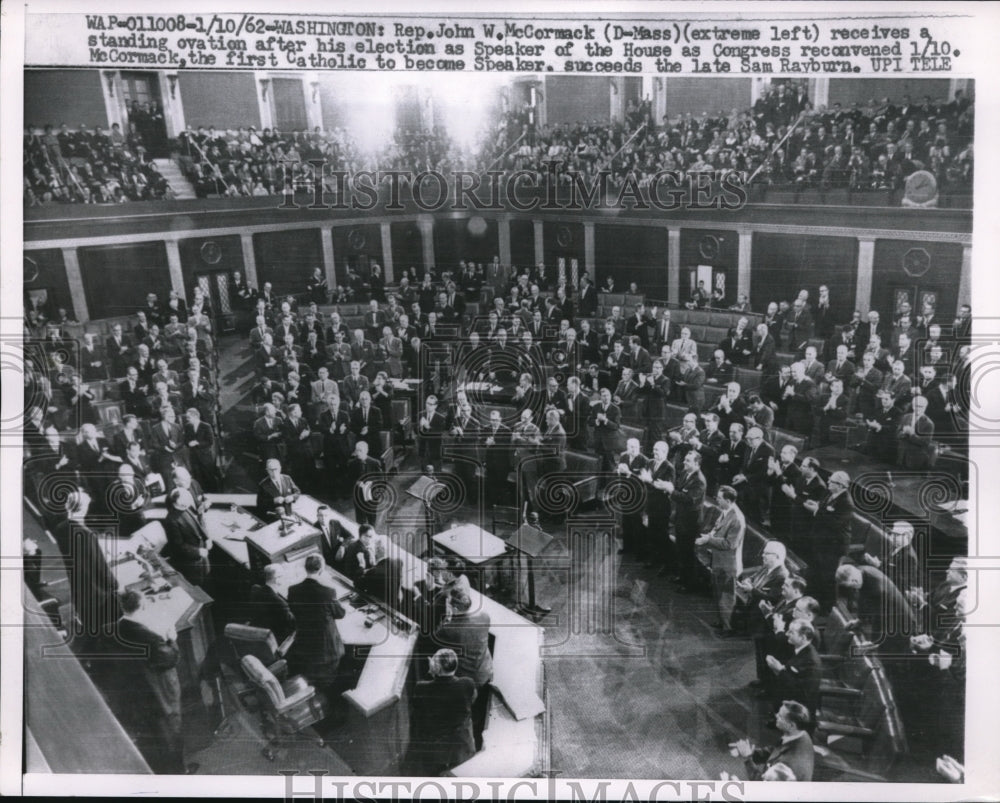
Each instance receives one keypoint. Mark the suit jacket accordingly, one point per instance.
(267, 492)
(92, 585)
(374, 425)
(764, 354)
(167, 449)
(318, 648)
(684, 348)
(800, 678)
(153, 693)
(726, 542)
(798, 755)
(689, 494)
(607, 435)
(268, 609)
(831, 530)
(268, 436)
(441, 724)
(134, 400)
(186, 537)
(657, 500)
(201, 454)
(352, 388)
(468, 635)
(496, 458)
(554, 451)
(119, 354)
(765, 585)
(738, 347)
(916, 450)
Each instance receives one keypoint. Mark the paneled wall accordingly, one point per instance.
(471, 239)
(522, 243)
(357, 246)
(287, 258)
(64, 96)
(716, 247)
(893, 259)
(221, 99)
(199, 255)
(572, 99)
(51, 276)
(116, 278)
(694, 94)
(632, 254)
(563, 241)
(407, 248)
(783, 264)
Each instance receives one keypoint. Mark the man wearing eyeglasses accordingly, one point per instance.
(831, 534)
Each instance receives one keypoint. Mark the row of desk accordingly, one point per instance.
(377, 701)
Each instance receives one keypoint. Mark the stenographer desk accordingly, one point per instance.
(375, 735)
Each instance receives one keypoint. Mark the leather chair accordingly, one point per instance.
(287, 707)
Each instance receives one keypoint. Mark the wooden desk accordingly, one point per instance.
(471, 543)
(171, 601)
(905, 497)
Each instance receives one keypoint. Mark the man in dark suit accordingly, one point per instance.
(441, 724)
(915, 437)
(362, 470)
(577, 410)
(798, 677)
(691, 382)
(268, 607)
(467, 632)
(794, 751)
(553, 447)
(830, 534)
(631, 464)
(166, 444)
(120, 350)
(188, 541)
(687, 496)
(738, 343)
(331, 537)
(318, 648)
(431, 426)
(586, 300)
(366, 422)
(658, 547)
(758, 592)
(92, 584)
(605, 421)
(150, 690)
(200, 442)
(133, 393)
(865, 331)
(494, 439)
(751, 478)
(654, 389)
(800, 396)
(765, 346)
(867, 381)
(276, 492)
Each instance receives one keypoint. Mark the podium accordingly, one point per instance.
(426, 490)
(530, 542)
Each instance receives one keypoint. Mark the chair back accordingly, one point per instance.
(263, 679)
(256, 641)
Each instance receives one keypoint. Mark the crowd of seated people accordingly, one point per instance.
(782, 139)
(872, 146)
(144, 397)
(91, 166)
(245, 162)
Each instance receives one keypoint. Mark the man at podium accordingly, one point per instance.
(276, 491)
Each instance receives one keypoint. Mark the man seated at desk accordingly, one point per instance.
(276, 490)
(269, 608)
(441, 724)
(359, 554)
(318, 648)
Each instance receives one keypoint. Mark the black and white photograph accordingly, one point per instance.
(597, 399)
